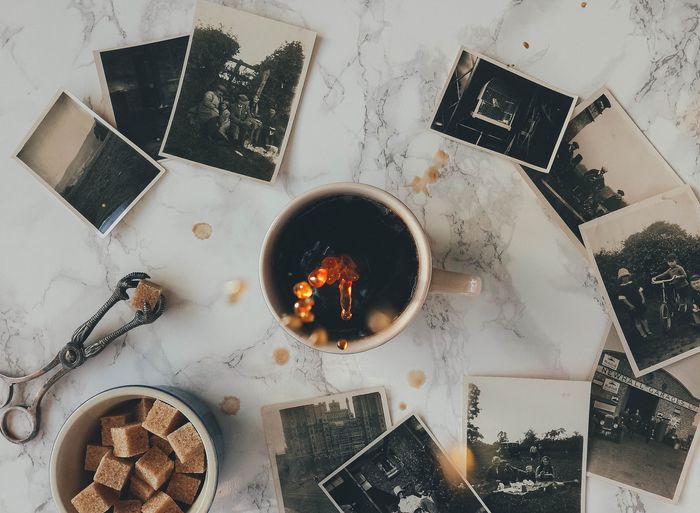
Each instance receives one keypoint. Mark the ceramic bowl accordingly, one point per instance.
(67, 457)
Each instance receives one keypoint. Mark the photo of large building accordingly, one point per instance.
(642, 429)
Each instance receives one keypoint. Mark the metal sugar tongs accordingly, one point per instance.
(72, 356)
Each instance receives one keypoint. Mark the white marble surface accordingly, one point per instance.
(377, 69)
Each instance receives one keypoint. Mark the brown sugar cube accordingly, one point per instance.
(143, 406)
(113, 472)
(93, 499)
(148, 293)
(161, 503)
(129, 440)
(162, 419)
(140, 489)
(130, 506)
(185, 442)
(161, 443)
(197, 464)
(108, 423)
(154, 467)
(93, 455)
(183, 488)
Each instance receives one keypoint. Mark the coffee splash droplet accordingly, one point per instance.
(584, 4)
(402, 406)
(342, 344)
(202, 231)
(416, 378)
(526, 45)
(281, 355)
(230, 405)
(234, 290)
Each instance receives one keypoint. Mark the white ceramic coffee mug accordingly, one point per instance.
(429, 280)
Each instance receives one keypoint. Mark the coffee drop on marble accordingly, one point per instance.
(234, 290)
(584, 4)
(402, 406)
(418, 184)
(281, 355)
(230, 405)
(432, 174)
(526, 45)
(416, 378)
(202, 231)
(441, 158)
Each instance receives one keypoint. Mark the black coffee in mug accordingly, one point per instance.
(376, 239)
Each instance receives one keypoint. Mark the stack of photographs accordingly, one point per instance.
(339, 453)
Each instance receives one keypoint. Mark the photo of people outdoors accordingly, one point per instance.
(642, 430)
(590, 176)
(500, 110)
(526, 443)
(402, 471)
(238, 92)
(648, 260)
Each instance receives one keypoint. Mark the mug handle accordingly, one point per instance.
(448, 282)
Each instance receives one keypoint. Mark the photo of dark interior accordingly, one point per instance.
(142, 82)
(490, 106)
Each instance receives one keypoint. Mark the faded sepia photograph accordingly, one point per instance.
(238, 92)
(643, 430)
(503, 111)
(89, 166)
(139, 84)
(647, 259)
(603, 164)
(309, 439)
(526, 443)
(403, 471)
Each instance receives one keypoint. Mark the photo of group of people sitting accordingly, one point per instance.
(235, 120)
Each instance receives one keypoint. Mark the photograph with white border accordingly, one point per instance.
(643, 431)
(591, 176)
(90, 167)
(309, 438)
(403, 471)
(526, 443)
(503, 111)
(647, 260)
(239, 92)
(139, 83)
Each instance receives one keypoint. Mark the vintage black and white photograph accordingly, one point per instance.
(90, 167)
(591, 175)
(309, 439)
(647, 258)
(139, 84)
(526, 443)
(403, 471)
(643, 430)
(239, 92)
(503, 111)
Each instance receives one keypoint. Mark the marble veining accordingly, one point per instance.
(377, 69)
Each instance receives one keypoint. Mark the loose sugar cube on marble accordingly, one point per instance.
(162, 419)
(197, 464)
(107, 423)
(95, 498)
(129, 440)
(93, 455)
(148, 293)
(154, 468)
(113, 472)
(143, 406)
(161, 503)
(186, 442)
(128, 506)
(161, 443)
(183, 488)
(140, 489)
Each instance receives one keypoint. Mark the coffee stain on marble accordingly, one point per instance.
(526, 45)
(281, 355)
(230, 405)
(402, 406)
(416, 378)
(234, 290)
(202, 231)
